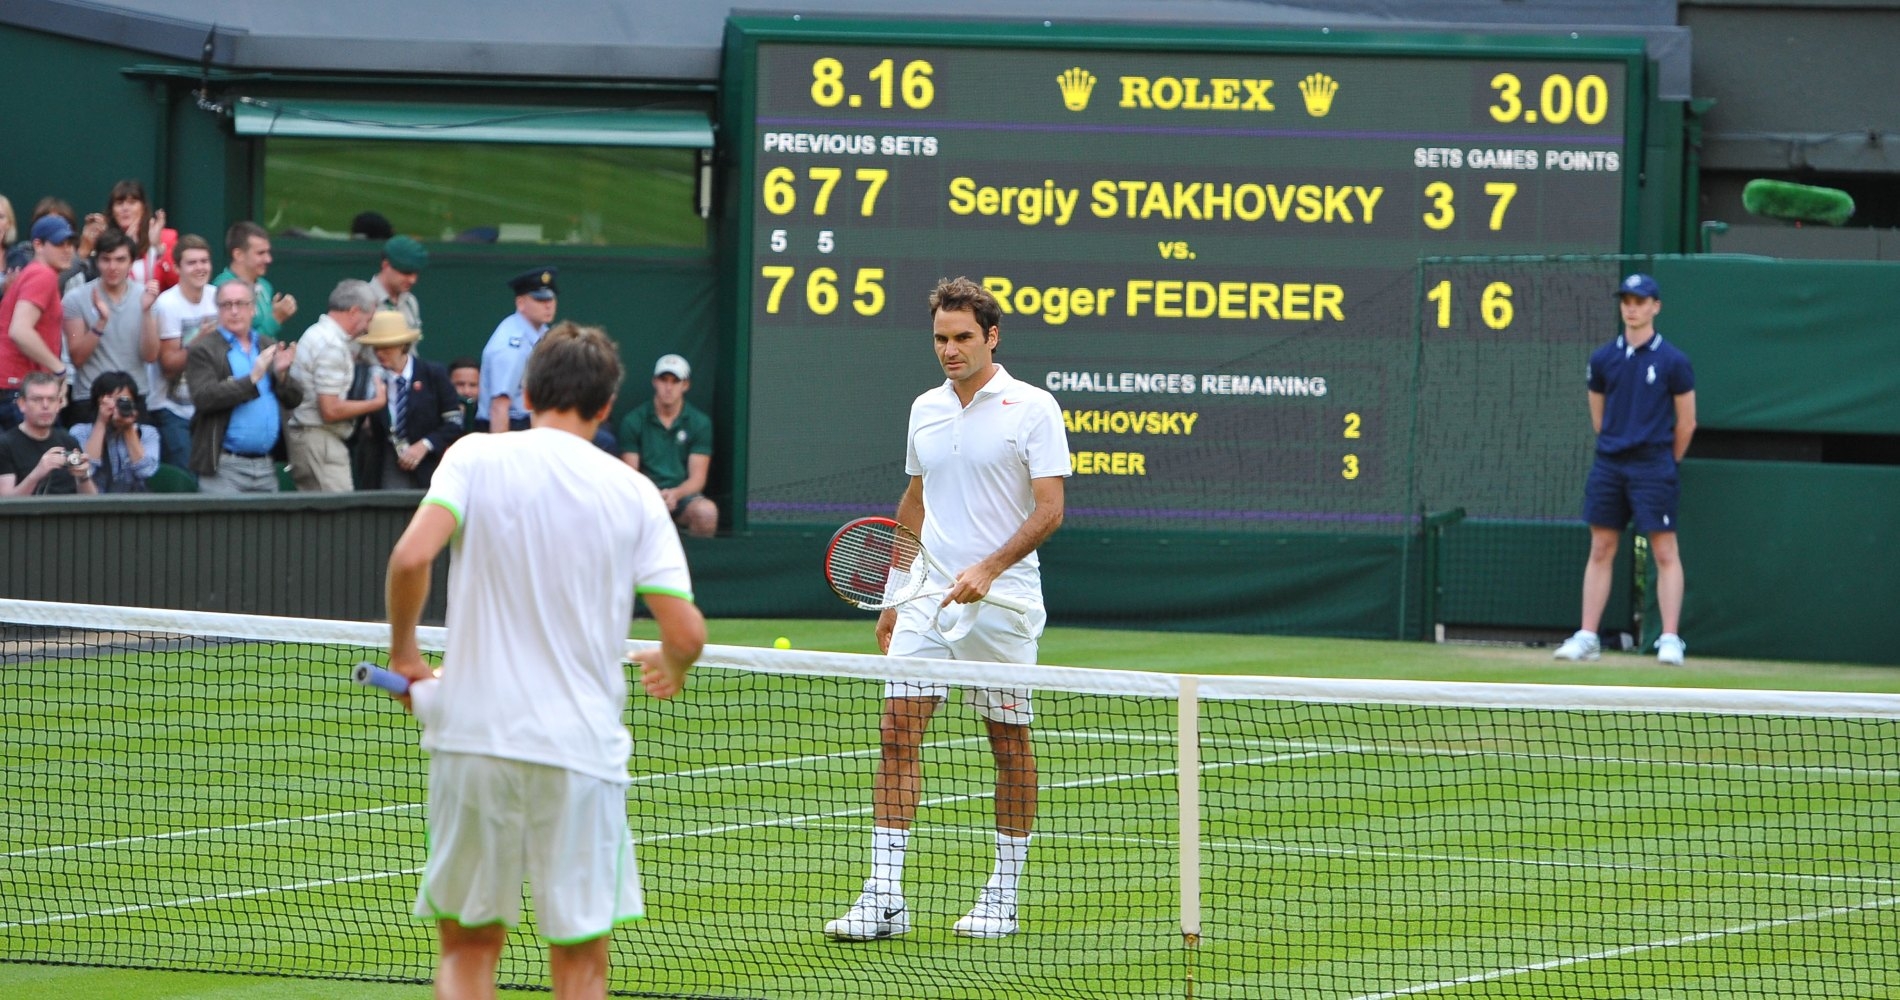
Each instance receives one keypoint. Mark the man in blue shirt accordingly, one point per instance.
(505, 359)
(1642, 406)
(241, 384)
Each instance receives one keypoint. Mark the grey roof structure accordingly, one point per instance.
(679, 41)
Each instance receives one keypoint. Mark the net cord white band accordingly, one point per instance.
(1327, 690)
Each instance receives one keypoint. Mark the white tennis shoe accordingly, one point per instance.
(1669, 649)
(1582, 646)
(876, 915)
(993, 916)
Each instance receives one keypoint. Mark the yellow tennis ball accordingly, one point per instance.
(781, 643)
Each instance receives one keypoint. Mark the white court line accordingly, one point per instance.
(1630, 949)
(1168, 843)
(325, 817)
(194, 900)
(650, 839)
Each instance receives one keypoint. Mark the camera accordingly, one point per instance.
(126, 407)
(75, 458)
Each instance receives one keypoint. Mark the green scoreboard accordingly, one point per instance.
(1206, 247)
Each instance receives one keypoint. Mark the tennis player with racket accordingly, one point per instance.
(986, 456)
(527, 750)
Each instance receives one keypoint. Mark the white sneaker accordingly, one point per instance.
(1669, 649)
(1582, 646)
(993, 916)
(874, 916)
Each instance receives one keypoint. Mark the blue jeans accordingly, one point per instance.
(174, 438)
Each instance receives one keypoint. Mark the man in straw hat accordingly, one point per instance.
(401, 444)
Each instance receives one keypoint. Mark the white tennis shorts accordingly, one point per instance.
(999, 637)
(496, 823)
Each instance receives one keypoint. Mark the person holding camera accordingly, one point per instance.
(123, 452)
(39, 457)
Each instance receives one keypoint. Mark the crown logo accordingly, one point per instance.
(1318, 89)
(1076, 84)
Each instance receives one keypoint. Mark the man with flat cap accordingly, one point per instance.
(403, 261)
(505, 359)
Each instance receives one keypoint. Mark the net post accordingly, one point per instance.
(1188, 784)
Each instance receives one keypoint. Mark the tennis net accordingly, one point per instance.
(209, 792)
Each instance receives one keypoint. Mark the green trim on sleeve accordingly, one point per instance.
(684, 595)
(445, 505)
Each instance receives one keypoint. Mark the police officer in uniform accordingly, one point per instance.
(505, 359)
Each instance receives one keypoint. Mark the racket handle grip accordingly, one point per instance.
(1006, 604)
(370, 675)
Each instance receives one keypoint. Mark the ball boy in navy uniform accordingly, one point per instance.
(1642, 406)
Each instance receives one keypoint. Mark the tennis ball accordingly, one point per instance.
(781, 643)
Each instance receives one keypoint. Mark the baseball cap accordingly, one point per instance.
(52, 229)
(674, 365)
(1639, 284)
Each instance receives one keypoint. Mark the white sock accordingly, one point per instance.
(1585, 631)
(1012, 854)
(887, 859)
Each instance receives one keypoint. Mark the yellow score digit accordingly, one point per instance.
(1352, 425)
(1510, 105)
(1351, 468)
(1441, 214)
(827, 178)
(870, 300)
(780, 196)
(875, 178)
(781, 276)
(827, 82)
(1503, 191)
(1441, 294)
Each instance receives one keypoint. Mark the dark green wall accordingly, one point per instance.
(74, 125)
(1790, 561)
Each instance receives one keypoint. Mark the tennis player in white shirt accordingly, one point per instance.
(987, 456)
(552, 538)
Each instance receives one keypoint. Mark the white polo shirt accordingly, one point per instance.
(555, 538)
(977, 462)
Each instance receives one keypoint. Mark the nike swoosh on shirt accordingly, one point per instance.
(1011, 402)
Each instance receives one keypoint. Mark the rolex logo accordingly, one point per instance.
(1318, 89)
(1076, 84)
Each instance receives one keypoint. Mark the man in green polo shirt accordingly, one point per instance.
(671, 441)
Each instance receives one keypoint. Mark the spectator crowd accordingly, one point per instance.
(127, 366)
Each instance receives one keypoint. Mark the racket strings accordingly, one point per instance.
(861, 559)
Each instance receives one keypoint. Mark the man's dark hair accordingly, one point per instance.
(191, 241)
(113, 381)
(465, 362)
(371, 226)
(575, 368)
(113, 239)
(958, 294)
(239, 236)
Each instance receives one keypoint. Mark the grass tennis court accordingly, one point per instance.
(1351, 851)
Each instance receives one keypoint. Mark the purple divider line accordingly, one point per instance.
(1272, 133)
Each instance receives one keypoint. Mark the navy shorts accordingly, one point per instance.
(1642, 488)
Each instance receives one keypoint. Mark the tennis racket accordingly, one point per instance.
(876, 563)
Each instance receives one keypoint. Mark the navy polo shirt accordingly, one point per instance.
(1639, 387)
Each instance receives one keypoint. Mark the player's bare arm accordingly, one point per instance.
(682, 637)
(973, 584)
(1685, 422)
(1596, 413)
(406, 587)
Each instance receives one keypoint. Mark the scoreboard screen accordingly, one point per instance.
(1206, 247)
